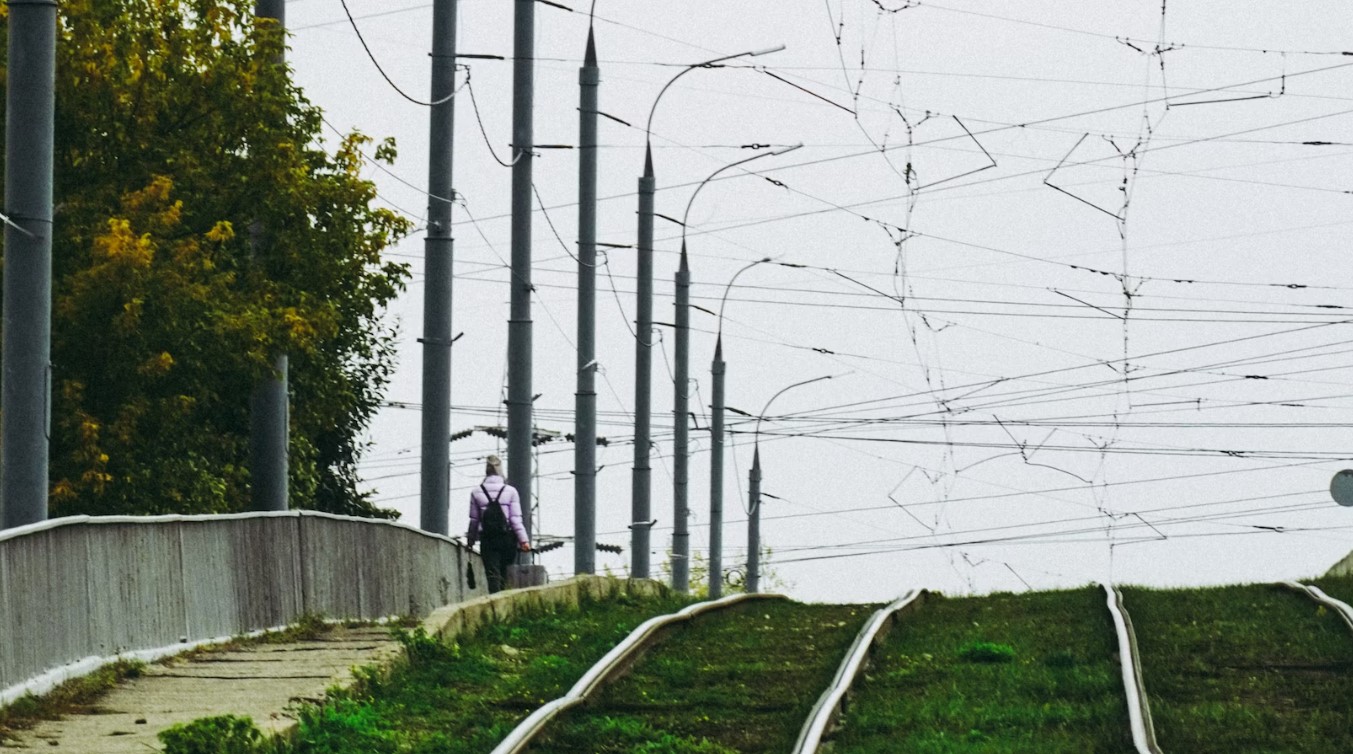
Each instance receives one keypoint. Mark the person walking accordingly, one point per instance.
(495, 522)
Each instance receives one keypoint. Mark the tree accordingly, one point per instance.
(178, 141)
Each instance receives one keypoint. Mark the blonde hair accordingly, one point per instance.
(493, 466)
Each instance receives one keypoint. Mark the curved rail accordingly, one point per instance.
(609, 667)
(830, 705)
(1139, 708)
(1315, 593)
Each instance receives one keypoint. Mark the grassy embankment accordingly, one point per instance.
(994, 675)
(1338, 587)
(741, 680)
(464, 697)
(1245, 669)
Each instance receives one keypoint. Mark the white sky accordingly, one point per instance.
(1013, 334)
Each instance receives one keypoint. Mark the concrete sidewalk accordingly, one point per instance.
(267, 681)
(261, 680)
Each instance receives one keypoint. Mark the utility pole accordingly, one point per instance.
(585, 405)
(641, 507)
(754, 524)
(681, 535)
(25, 387)
(754, 490)
(438, 250)
(681, 538)
(716, 473)
(269, 428)
(519, 397)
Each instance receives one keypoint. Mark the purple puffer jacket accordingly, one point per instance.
(510, 501)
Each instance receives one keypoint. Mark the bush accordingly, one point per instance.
(986, 651)
(225, 734)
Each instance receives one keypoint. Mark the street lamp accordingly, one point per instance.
(754, 492)
(681, 538)
(716, 370)
(641, 507)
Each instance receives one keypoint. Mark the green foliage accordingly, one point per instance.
(986, 651)
(464, 697)
(224, 734)
(76, 696)
(422, 649)
(201, 228)
(632, 734)
(734, 576)
(346, 725)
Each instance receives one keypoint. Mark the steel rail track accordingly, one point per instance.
(610, 667)
(1139, 707)
(1315, 593)
(832, 702)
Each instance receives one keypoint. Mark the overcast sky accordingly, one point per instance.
(1077, 268)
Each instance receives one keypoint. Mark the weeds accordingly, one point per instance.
(76, 696)
(224, 734)
(986, 651)
(466, 696)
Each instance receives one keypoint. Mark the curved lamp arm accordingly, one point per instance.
(744, 161)
(648, 129)
(756, 441)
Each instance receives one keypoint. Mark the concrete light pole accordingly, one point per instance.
(519, 397)
(269, 403)
(641, 507)
(435, 479)
(25, 387)
(681, 537)
(585, 405)
(717, 369)
(754, 492)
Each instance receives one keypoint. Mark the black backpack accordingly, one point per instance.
(493, 525)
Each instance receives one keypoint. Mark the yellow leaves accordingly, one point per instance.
(89, 431)
(121, 245)
(221, 232)
(62, 491)
(299, 329)
(156, 366)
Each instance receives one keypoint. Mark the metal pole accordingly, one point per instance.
(519, 396)
(681, 541)
(681, 535)
(435, 485)
(754, 490)
(25, 387)
(641, 507)
(716, 475)
(269, 425)
(276, 9)
(585, 405)
(754, 524)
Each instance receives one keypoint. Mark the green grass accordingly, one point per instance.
(1244, 670)
(739, 680)
(1338, 587)
(466, 696)
(993, 675)
(74, 697)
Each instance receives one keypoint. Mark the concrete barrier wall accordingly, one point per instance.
(77, 592)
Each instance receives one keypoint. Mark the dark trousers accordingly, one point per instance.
(497, 557)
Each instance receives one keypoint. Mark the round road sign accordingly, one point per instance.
(1341, 487)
